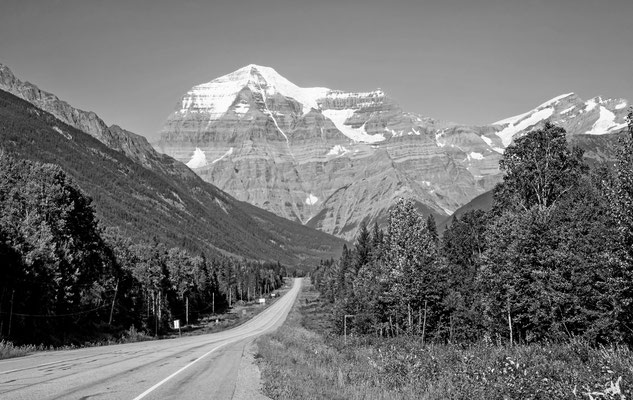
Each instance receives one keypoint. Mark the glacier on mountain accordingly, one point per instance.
(508, 133)
(339, 117)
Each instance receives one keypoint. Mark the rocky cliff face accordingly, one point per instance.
(331, 159)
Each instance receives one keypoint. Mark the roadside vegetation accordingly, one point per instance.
(240, 313)
(532, 299)
(66, 280)
(307, 359)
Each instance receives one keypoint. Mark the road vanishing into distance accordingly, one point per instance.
(192, 367)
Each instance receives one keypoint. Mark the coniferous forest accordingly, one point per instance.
(65, 279)
(551, 261)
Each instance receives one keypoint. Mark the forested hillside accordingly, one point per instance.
(551, 261)
(163, 200)
(65, 279)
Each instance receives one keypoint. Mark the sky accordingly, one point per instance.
(468, 61)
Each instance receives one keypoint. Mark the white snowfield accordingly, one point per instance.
(517, 118)
(491, 145)
(217, 96)
(605, 123)
(198, 159)
(621, 105)
(508, 133)
(338, 118)
(337, 150)
(591, 104)
(311, 199)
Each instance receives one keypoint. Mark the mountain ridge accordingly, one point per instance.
(328, 166)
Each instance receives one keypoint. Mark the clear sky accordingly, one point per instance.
(468, 61)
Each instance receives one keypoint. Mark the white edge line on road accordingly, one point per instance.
(150, 390)
(156, 386)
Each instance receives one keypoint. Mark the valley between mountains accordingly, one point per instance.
(110, 239)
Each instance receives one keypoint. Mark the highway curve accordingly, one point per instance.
(192, 367)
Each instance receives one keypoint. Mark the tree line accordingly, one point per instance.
(552, 259)
(65, 279)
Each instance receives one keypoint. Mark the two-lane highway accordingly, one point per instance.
(193, 367)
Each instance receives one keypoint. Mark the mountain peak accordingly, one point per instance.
(217, 96)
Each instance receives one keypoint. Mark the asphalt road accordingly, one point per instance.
(193, 367)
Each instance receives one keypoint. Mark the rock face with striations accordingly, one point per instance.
(331, 159)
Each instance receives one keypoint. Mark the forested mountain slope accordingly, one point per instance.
(151, 195)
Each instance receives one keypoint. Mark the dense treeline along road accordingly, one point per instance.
(66, 279)
(551, 261)
(193, 367)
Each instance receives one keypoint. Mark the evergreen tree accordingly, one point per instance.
(362, 247)
(432, 227)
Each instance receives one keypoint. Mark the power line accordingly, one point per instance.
(56, 315)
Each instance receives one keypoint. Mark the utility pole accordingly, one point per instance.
(11, 314)
(345, 325)
(116, 289)
(187, 310)
(510, 323)
(424, 323)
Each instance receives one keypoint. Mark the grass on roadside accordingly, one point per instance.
(302, 360)
(9, 350)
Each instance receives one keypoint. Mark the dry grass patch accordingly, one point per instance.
(9, 350)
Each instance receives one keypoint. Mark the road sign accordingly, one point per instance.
(176, 324)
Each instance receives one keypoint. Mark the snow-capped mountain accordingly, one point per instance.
(596, 116)
(330, 158)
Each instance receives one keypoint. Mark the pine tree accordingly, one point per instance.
(362, 248)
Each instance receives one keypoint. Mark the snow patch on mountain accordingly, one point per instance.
(555, 100)
(216, 97)
(228, 153)
(338, 118)
(64, 134)
(517, 118)
(605, 123)
(508, 133)
(438, 136)
(621, 105)
(476, 156)
(591, 104)
(337, 150)
(199, 159)
(311, 199)
(565, 111)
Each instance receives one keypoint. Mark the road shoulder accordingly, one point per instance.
(248, 385)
